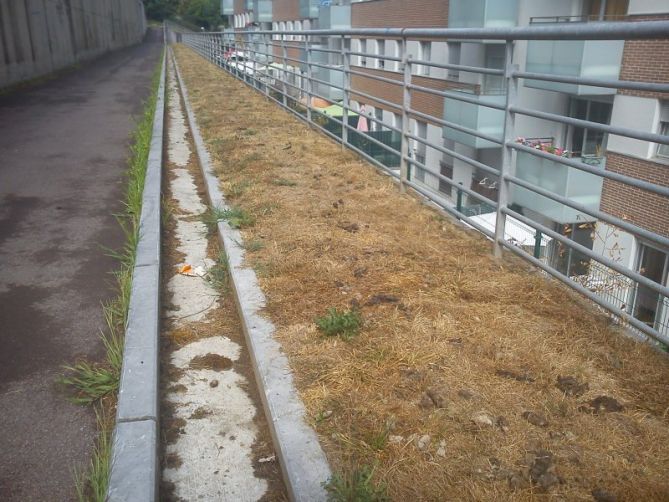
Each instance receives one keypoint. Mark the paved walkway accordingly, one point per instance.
(63, 151)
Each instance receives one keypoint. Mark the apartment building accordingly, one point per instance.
(632, 60)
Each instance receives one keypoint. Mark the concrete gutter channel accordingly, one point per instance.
(303, 462)
(135, 469)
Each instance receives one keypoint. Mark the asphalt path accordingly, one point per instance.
(63, 150)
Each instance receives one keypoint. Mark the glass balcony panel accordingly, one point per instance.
(309, 8)
(480, 118)
(579, 186)
(227, 7)
(574, 58)
(264, 11)
(482, 13)
(335, 17)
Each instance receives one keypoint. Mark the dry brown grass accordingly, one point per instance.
(462, 319)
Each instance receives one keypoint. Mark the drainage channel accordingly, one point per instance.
(215, 440)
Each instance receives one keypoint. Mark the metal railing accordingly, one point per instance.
(292, 72)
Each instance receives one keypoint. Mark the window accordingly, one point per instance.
(494, 59)
(419, 150)
(425, 55)
(446, 168)
(647, 305)
(663, 150)
(397, 120)
(454, 49)
(282, 27)
(584, 141)
(380, 46)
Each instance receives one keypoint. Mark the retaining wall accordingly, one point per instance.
(40, 36)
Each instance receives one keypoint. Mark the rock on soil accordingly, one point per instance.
(571, 386)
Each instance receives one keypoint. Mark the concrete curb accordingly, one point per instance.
(303, 462)
(134, 463)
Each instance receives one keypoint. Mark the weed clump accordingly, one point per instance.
(335, 323)
(238, 218)
(356, 486)
(218, 274)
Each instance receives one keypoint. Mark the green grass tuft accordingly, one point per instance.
(283, 182)
(218, 274)
(211, 217)
(345, 323)
(253, 245)
(238, 218)
(356, 486)
(91, 484)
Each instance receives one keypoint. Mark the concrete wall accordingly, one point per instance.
(40, 36)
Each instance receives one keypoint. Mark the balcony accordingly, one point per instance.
(579, 186)
(482, 13)
(227, 7)
(263, 11)
(480, 118)
(335, 17)
(599, 59)
(309, 8)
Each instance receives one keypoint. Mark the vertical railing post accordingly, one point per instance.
(406, 106)
(537, 244)
(267, 38)
(346, 84)
(254, 77)
(310, 73)
(508, 168)
(458, 199)
(284, 75)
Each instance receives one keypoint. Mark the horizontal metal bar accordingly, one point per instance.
(373, 98)
(629, 227)
(587, 293)
(449, 181)
(457, 127)
(628, 180)
(613, 30)
(373, 56)
(615, 84)
(456, 155)
(374, 140)
(460, 216)
(375, 77)
(328, 66)
(329, 51)
(324, 82)
(459, 67)
(457, 96)
(617, 130)
(636, 277)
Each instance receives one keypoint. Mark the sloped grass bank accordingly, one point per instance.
(467, 378)
(96, 383)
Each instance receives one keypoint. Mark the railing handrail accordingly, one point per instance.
(599, 30)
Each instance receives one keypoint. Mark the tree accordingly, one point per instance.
(160, 9)
(204, 13)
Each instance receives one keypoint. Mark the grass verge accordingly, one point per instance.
(96, 383)
(495, 383)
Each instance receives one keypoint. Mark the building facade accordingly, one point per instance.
(374, 94)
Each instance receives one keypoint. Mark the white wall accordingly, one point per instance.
(640, 113)
(613, 243)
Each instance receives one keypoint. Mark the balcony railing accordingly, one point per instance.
(565, 188)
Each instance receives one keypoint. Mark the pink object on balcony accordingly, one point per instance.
(362, 120)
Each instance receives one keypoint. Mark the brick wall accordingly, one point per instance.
(645, 61)
(420, 101)
(645, 209)
(291, 52)
(400, 14)
(239, 6)
(285, 10)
